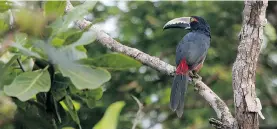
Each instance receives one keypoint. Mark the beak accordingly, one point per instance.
(182, 22)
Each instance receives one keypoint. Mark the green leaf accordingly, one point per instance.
(5, 5)
(110, 119)
(84, 77)
(57, 42)
(8, 78)
(21, 38)
(73, 37)
(24, 50)
(61, 24)
(112, 61)
(28, 64)
(90, 96)
(60, 86)
(4, 68)
(81, 48)
(28, 84)
(64, 57)
(71, 109)
(86, 38)
(4, 76)
(54, 8)
(68, 37)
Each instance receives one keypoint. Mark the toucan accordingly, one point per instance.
(190, 55)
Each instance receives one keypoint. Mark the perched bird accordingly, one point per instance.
(190, 55)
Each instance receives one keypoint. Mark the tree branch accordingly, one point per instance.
(247, 104)
(216, 103)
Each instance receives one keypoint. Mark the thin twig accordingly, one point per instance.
(139, 114)
(20, 65)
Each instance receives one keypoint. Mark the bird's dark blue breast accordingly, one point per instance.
(193, 47)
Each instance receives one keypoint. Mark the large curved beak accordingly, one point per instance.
(182, 22)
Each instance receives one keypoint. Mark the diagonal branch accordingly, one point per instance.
(103, 38)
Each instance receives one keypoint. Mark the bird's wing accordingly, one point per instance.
(193, 47)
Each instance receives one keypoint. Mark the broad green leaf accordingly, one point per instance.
(73, 37)
(28, 84)
(68, 37)
(84, 77)
(4, 68)
(110, 119)
(64, 57)
(8, 78)
(54, 8)
(73, 53)
(4, 76)
(113, 61)
(61, 24)
(86, 38)
(25, 51)
(71, 109)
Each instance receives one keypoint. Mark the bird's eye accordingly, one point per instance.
(193, 20)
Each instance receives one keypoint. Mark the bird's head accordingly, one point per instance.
(188, 23)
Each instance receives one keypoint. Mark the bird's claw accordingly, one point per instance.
(216, 123)
(196, 77)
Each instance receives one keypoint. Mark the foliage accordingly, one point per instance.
(109, 121)
(45, 56)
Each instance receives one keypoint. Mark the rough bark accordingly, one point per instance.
(247, 105)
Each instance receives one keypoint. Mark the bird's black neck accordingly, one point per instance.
(205, 31)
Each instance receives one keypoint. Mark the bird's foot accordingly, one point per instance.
(216, 123)
(195, 76)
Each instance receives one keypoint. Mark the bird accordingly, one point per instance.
(191, 52)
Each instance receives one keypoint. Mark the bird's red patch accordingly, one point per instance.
(197, 68)
(182, 67)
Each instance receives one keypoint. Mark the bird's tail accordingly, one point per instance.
(178, 90)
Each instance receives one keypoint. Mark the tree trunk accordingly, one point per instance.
(247, 104)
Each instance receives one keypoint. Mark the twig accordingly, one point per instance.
(139, 113)
(20, 65)
(217, 104)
